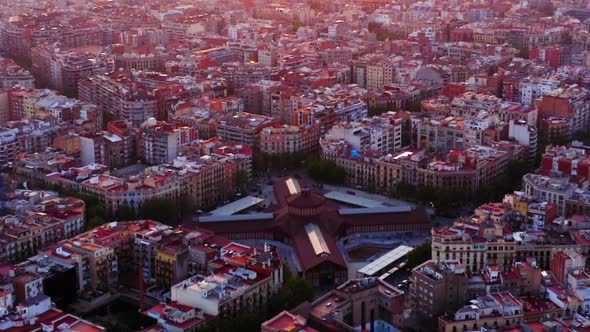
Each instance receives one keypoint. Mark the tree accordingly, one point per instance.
(186, 205)
(377, 110)
(516, 170)
(419, 255)
(160, 209)
(242, 181)
(414, 107)
(124, 213)
(294, 292)
(298, 291)
(94, 210)
(525, 53)
(326, 171)
(94, 222)
(426, 195)
(581, 135)
(406, 190)
(287, 274)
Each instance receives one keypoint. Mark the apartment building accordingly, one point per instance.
(441, 134)
(539, 214)
(326, 107)
(471, 104)
(571, 102)
(377, 134)
(27, 306)
(525, 134)
(61, 69)
(551, 189)
(496, 310)
(571, 161)
(367, 304)
(43, 103)
(25, 31)
(437, 287)
(531, 89)
(100, 264)
(46, 223)
(578, 203)
(483, 240)
(240, 74)
(460, 243)
(374, 71)
(468, 170)
(556, 129)
(119, 96)
(244, 127)
(280, 139)
(143, 57)
(28, 135)
(228, 278)
(12, 75)
(101, 148)
(161, 142)
(9, 145)
(241, 154)
(20, 201)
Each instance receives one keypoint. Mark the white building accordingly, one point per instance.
(524, 134)
(381, 133)
(531, 90)
(552, 190)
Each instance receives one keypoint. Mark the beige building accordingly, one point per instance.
(437, 288)
(280, 139)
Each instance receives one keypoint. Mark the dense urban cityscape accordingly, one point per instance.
(295, 166)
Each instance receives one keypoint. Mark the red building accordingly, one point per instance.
(568, 161)
(461, 34)
(565, 263)
(313, 224)
(553, 56)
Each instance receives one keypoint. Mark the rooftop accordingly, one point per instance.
(385, 260)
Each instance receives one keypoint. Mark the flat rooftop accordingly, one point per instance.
(385, 260)
(237, 206)
(374, 210)
(237, 217)
(353, 199)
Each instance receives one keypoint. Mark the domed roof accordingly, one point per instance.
(305, 200)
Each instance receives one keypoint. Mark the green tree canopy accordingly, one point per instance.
(326, 171)
(94, 222)
(242, 181)
(294, 292)
(419, 255)
(160, 209)
(525, 53)
(124, 213)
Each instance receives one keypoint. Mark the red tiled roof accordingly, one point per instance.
(307, 255)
